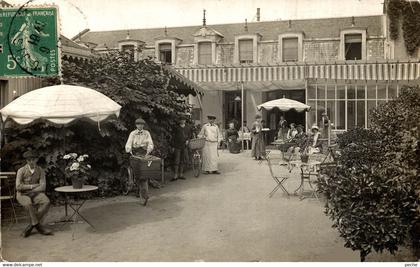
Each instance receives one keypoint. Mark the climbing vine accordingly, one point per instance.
(408, 12)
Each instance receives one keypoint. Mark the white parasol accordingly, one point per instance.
(284, 104)
(60, 104)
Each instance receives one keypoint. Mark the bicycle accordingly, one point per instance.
(128, 182)
(196, 145)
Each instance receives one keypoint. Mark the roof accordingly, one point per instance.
(313, 28)
(69, 43)
(184, 85)
(4, 4)
(71, 48)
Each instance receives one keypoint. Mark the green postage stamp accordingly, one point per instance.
(29, 42)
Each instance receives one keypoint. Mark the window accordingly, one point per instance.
(165, 53)
(128, 48)
(290, 49)
(204, 53)
(246, 51)
(353, 46)
(3, 93)
(348, 105)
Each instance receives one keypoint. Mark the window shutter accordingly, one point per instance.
(204, 53)
(246, 51)
(166, 46)
(290, 49)
(353, 38)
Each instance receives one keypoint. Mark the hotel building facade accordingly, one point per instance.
(340, 66)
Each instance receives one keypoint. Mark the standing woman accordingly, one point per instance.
(258, 145)
(211, 133)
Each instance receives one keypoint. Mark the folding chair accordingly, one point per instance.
(278, 179)
(8, 193)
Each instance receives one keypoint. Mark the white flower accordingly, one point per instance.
(73, 155)
(74, 166)
(85, 155)
(66, 156)
(80, 159)
(88, 166)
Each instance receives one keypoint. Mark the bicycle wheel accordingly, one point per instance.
(196, 164)
(128, 182)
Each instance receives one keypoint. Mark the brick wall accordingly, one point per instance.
(184, 56)
(313, 51)
(267, 53)
(145, 53)
(320, 50)
(375, 49)
(224, 54)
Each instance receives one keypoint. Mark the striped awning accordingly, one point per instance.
(379, 71)
(261, 86)
(187, 87)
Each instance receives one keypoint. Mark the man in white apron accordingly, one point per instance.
(210, 131)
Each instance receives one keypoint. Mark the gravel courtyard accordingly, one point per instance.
(226, 217)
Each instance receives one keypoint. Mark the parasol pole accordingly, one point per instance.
(242, 114)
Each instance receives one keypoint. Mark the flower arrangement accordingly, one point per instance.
(77, 168)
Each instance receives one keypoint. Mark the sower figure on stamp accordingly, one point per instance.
(182, 136)
(30, 187)
(210, 131)
(139, 144)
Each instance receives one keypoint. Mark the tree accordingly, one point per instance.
(373, 195)
(143, 88)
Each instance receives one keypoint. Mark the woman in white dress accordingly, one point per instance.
(210, 131)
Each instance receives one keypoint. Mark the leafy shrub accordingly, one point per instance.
(373, 195)
(397, 124)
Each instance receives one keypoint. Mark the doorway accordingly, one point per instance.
(233, 108)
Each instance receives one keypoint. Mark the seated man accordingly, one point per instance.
(30, 187)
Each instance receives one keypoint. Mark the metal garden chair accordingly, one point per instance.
(279, 179)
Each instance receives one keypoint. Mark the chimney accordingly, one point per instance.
(258, 14)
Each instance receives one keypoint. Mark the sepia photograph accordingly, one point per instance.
(221, 131)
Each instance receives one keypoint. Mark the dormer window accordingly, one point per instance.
(246, 51)
(290, 49)
(128, 48)
(165, 53)
(204, 53)
(353, 46)
(130, 45)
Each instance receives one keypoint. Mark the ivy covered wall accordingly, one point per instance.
(404, 23)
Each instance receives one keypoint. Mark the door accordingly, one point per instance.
(233, 108)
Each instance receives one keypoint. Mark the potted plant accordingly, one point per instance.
(304, 144)
(77, 169)
(304, 156)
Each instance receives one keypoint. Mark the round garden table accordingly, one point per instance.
(74, 205)
(307, 169)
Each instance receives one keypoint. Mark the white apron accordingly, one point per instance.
(210, 155)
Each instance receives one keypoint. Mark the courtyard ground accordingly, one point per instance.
(226, 217)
